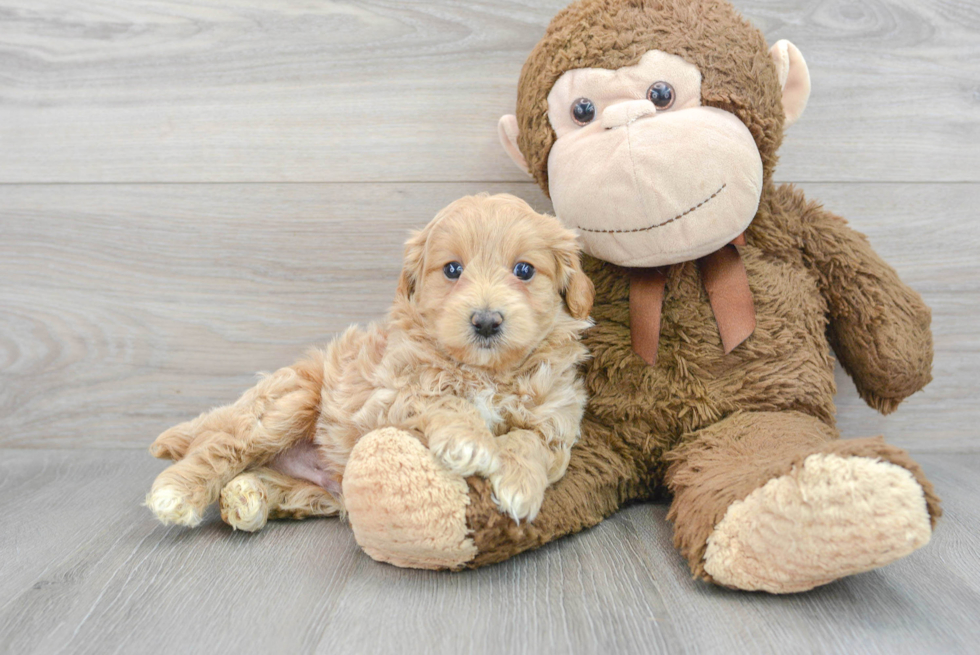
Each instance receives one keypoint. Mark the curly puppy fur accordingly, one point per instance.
(507, 407)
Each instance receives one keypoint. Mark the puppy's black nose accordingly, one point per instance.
(486, 323)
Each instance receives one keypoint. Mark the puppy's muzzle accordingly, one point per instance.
(486, 324)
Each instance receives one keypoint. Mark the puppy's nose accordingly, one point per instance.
(486, 323)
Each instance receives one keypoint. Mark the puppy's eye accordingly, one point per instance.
(661, 94)
(453, 270)
(523, 271)
(583, 111)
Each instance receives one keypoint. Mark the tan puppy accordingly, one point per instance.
(478, 357)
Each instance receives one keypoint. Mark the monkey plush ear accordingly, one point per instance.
(507, 130)
(794, 78)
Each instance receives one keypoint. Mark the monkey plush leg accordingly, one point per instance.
(255, 496)
(774, 502)
(406, 508)
(218, 445)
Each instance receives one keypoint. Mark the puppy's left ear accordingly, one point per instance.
(412, 266)
(576, 287)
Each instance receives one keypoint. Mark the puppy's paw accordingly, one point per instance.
(244, 503)
(463, 455)
(519, 489)
(171, 505)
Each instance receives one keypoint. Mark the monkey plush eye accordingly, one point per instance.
(453, 270)
(523, 271)
(583, 111)
(661, 94)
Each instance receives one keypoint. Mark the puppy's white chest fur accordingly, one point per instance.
(489, 404)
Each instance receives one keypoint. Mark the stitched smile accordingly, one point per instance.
(652, 227)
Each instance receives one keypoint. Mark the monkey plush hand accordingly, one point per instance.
(654, 125)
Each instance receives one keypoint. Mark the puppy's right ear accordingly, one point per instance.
(412, 266)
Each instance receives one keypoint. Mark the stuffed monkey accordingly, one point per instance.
(654, 125)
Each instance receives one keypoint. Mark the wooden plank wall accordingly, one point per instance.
(190, 192)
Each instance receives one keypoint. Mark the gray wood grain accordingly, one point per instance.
(85, 569)
(227, 91)
(129, 308)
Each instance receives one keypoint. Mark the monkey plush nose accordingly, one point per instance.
(624, 113)
(486, 323)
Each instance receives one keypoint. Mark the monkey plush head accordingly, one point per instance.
(653, 125)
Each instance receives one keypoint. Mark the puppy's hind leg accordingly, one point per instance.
(174, 443)
(253, 497)
(270, 417)
(245, 502)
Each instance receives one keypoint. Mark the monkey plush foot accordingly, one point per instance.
(829, 518)
(774, 501)
(244, 503)
(405, 507)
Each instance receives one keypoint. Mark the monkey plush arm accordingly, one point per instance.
(879, 327)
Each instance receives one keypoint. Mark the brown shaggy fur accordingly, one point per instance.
(706, 426)
(507, 409)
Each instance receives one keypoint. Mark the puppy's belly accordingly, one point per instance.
(302, 461)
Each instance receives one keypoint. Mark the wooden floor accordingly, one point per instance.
(194, 191)
(85, 569)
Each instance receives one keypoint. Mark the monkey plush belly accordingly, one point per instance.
(785, 364)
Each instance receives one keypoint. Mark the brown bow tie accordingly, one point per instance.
(724, 278)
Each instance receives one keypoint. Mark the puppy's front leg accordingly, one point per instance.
(521, 474)
(457, 435)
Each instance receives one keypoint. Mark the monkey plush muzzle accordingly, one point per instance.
(658, 189)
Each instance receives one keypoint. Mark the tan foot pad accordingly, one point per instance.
(832, 517)
(404, 506)
(244, 505)
(172, 506)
